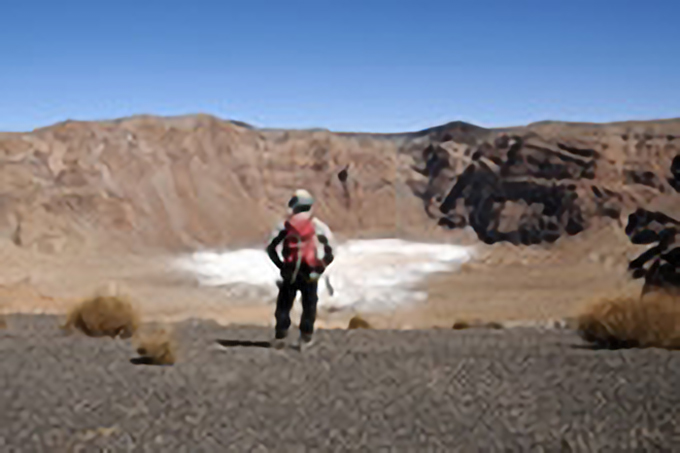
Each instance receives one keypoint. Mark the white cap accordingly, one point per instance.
(301, 197)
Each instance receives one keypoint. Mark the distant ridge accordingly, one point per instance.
(462, 126)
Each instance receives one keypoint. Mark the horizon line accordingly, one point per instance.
(309, 129)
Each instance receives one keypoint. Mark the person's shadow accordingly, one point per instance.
(142, 361)
(244, 344)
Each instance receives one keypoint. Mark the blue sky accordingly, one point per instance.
(379, 66)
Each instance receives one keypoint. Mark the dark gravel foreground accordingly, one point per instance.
(439, 390)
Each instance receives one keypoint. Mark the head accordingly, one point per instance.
(301, 201)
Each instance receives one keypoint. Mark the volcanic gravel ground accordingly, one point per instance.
(437, 390)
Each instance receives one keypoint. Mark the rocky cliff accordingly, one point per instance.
(536, 184)
(190, 182)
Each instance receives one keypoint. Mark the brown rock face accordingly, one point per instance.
(182, 183)
(191, 182)
(535, 184)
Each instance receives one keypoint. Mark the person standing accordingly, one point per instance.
(306, 252)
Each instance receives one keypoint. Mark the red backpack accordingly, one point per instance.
(301, 241)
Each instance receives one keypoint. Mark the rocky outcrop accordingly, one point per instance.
(659, 265)
(521, 191)
(534, 185)
(674, 179)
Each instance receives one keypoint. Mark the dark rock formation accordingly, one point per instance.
(674, 180)
(519, 189)
(660, 264)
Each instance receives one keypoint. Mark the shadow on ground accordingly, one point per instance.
(244, 344)
(143, 361)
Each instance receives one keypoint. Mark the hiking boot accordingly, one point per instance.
(304, 342)
(279, 340)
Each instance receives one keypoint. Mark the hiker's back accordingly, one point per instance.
(301, 244)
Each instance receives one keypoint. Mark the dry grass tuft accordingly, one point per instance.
(100, 316)
(3, 322)
(631, 321)
(357, 322)
(156, 347)
(461, 325)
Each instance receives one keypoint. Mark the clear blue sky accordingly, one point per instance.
(379, 66)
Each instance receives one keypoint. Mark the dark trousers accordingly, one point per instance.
(284, 304)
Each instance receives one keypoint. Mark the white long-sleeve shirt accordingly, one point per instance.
(324, 239)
